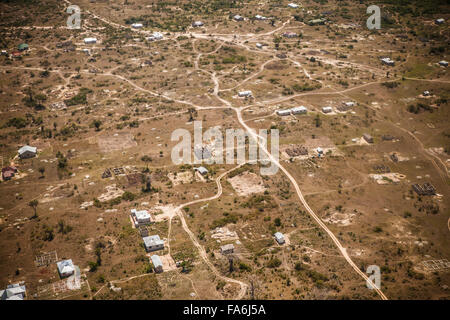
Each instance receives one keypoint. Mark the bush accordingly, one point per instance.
(274, 263)
(128, 196)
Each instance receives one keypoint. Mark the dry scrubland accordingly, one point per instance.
(117, 106)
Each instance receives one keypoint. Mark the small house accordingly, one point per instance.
(246, 93)
(227, 249)
(137, 25)
(140, 217)
(426, 93)
(202, 170)
(197, 24)
(290, 34)
(388, 61)
(27, 152)
(23, 47)
(65, 268)
(317, 22)
(13, 292)
(259, 45)
(4, 53)
(368, 138)
(299, 110)
(293, 5)
(439, 21)
(157, 263)
(279, 237)
(284, 112)
(327, 109)
(349, 104)
(319, 151)
(259, 17)
(238, 18)
(443, 63)
(157, 35)
(90, 40)
(8, 172)
(153, 243)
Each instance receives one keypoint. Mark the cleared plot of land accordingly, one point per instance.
(117, 141)
(247, 183)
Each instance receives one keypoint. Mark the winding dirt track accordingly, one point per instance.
(200, 248)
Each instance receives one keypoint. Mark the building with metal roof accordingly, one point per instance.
(153, 243)
(23, 47)
(137, 25)
(197, 24)
(27, 152)
(284, 112)
(299, 110)
(90, 40)
(279, 237)
(246, 93)
(65, 268)
(327, 109)
(201, 170)
(13, 292)
(157, 263)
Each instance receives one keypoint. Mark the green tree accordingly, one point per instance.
(33, 204)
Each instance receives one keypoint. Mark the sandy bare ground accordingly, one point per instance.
(247, 183)
(224, 234)
(118, 141)
(339, 218)
(112, 192)
(387, 178)
(180, 177)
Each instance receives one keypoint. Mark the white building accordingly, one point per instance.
(259, 17)
(226, 249)
(426, 93)
(327, 109)
(259, 45)
(157, 35)
(299, 110)
(284, 112)
(238, 18)
(279, 237)
(27, 152)
(388, 61)
(201, 170)
(349, 104)
(90, 40)
(443, 63)
(246, 93)
(153, 243)
(65, 268)
(157, 264)
(293, 5)
(140, 217)
(197, 24)
(137, 25)
(13, 292)
(439, 21)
